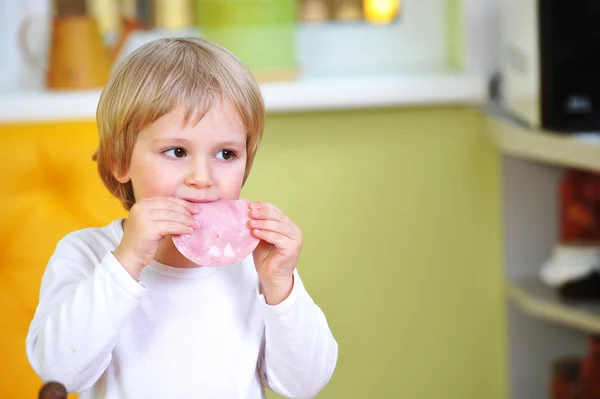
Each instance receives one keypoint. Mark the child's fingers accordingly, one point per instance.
(278, 240)
(187, 205)
(175, 204)
(264, 210)
(167, 215)
(285, 229)
(173, 228)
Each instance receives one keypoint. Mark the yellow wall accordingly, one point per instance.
(399, 210)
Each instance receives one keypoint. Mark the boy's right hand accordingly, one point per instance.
(149, 221)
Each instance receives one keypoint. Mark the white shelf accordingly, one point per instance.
(301, 95)
(569, 150)
(541, 301)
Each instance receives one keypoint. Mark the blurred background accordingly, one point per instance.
(440, 156)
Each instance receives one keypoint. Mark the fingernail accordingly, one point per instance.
(253, 222)
(255, 212)
(195, 224)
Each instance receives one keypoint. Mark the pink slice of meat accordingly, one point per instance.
(223, 237)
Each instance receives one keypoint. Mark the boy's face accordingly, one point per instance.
(197, 163)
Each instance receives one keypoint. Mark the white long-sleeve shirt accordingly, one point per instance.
(177, 333)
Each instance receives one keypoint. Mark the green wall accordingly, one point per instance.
(400, 214)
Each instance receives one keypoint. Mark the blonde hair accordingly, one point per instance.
(155, 79)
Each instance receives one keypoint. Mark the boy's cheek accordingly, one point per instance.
(233, 191)
(232, 188)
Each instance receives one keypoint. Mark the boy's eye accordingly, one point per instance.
(177, 152)
(225, 154)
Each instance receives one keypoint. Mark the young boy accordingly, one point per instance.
(122, 314)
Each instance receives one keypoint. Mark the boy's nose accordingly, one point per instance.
(198, 176)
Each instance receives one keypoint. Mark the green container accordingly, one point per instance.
(260, 32)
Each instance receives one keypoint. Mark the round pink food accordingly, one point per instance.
(223, 236)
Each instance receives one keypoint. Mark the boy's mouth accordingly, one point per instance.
(198, 200)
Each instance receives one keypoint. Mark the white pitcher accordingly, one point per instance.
(24, 29)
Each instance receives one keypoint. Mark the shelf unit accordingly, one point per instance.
(514, 138)
(540, 326)
(541, 301)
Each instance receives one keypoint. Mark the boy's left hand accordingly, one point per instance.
(277, 253)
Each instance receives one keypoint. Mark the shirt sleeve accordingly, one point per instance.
(300, 352)
(82, 308)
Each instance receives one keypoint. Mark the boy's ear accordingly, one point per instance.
(120, 176)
